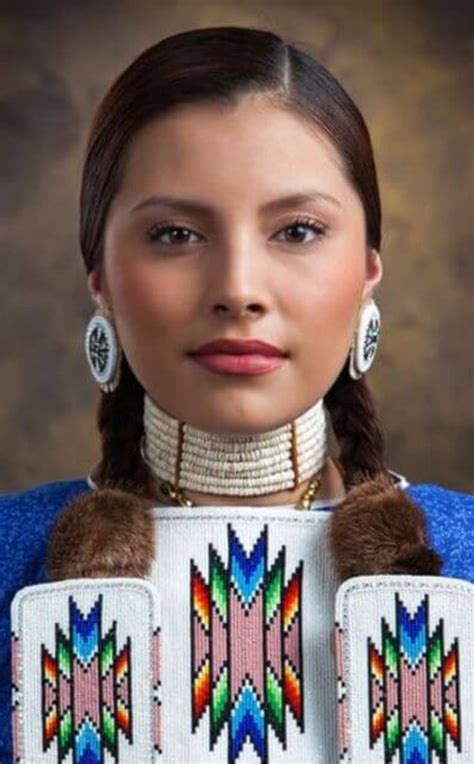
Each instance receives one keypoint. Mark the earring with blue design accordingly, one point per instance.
(366, 339)
(103, 351)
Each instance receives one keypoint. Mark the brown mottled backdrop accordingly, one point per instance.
(406, 64)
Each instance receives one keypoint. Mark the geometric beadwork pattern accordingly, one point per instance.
(86, 672)
(371, 338)
(414, 689)
(246, 646)
(99, 349)
(86, 691)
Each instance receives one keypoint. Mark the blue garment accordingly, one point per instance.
(26, 518)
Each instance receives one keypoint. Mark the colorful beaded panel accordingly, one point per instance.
(246, 646)
(81, 692)
(86, 689)
(414, 690)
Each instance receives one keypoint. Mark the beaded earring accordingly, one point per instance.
(103, 352)
(366, 338)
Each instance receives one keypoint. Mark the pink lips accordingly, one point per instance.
(243, 347)
(226, 356)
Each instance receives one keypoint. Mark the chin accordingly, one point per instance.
(250, 423)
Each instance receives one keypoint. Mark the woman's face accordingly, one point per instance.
(248, 266)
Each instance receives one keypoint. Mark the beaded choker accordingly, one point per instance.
(182, 456)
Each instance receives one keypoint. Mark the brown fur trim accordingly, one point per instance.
(377, 529)
(105, 533)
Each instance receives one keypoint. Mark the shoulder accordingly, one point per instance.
(37, 504)
(26, 518)
(450, 519)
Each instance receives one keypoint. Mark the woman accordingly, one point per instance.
(231, 232)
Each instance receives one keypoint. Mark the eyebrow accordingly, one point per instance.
(192, 205)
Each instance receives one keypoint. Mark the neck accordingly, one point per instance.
(273, 467)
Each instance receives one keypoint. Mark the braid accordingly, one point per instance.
(377, 528)
(357, 428)
(120, 423)
(111, 526)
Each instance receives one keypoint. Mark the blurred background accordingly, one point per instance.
(408, 66)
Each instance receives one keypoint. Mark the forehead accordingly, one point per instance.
(254, 146)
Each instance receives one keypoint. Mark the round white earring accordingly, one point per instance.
(366, 338)
(103, 352)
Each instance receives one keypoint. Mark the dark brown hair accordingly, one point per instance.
(376, 528)
(223, 64)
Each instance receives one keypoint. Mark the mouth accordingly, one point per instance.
(228, 346)
(241, 363)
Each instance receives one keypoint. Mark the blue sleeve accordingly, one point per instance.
(450, 516)
(26, 518)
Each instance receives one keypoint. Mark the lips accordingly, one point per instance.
(227, 346)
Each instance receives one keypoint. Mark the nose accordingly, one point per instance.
(239, 285)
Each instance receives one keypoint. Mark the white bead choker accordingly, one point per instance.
(234, 465)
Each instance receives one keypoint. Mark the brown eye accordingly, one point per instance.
(299, 229)
(177, 234)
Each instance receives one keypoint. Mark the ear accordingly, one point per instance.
(98, 289)
(374, 272)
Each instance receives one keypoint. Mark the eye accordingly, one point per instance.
(298, 226)
(177, 234)
(180, 235)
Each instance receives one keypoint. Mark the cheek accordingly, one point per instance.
(338, 304)
(146, 304)
(326, 311)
